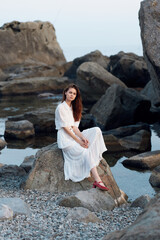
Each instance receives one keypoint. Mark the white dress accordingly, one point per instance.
(78, 161)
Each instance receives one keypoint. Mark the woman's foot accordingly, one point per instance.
(100, 185)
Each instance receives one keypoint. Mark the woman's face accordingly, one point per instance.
(71, 94)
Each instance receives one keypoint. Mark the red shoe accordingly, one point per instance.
(96, 184)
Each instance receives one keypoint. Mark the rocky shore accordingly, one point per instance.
(48, 220)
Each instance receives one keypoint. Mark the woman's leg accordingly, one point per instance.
(96, 175)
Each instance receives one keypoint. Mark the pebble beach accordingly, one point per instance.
(49, 221)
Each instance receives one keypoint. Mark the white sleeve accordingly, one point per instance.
(61, 118)
(76, 123)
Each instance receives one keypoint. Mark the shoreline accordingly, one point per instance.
(48, 219)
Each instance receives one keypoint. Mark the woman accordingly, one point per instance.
(82, 151)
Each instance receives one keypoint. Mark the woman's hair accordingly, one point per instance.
(76, 104)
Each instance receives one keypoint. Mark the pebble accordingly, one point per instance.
(48, 219)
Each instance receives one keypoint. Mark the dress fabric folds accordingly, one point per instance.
(78, 161)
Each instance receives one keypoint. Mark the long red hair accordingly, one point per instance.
(76, 103)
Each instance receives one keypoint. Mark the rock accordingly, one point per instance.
(149, 92)
(94, 200)
(6, 212)
(130, 69)
(28, 163)
(42, 119)
(149, 23)
(141, 201)
(147, 160)
(20, 129)
(2, 144)
(93, 80)
(48, 175)
(145, 227)
(140, 141)
(119, 107)
(81, 214)
(87, 121)
(17, 205)
(3, 76)
(22, 41)
(95, 56)
(13, 170)
(155, 177)
(46, 95)
(33, 85)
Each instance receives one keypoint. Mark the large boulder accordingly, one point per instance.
(95, 56)
(19, 129)
(93, 80)
(48, 175)
(93, 199)
(145, 227)
(150, 35)
(33, 85)
(26, 41)
(130, 69)
(120, 106)
(146, 160)
(2, 144)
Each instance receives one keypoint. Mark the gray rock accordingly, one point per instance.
(149, 92)
(93, 80)
(150, 35)
(145, 227)
(120, 106)
(48, 175)
(155, 177)
(147, 160)
(6, 212)
(13, 170)
(82, 215)
(95, 56)
(141, 201)
(2, 144)
(33, 85)
(40, 44)
(17, 205)
(130, 69)
(93, 199)
(28, 163)
(19, 129)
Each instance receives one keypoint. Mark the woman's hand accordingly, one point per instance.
(85, 140)
(83, 143)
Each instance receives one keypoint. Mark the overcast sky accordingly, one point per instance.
(83, 26)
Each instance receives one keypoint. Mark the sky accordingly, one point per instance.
(83, 26)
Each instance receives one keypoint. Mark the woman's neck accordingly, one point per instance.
(68, 102)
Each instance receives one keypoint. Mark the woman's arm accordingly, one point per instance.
(80, 135)
(77, 139)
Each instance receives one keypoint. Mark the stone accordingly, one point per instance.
(19, 129)
(149, 92)
(24, 41)
(81, 214)
(147, 160)
(33, 85)
(141, 201)
(155, 177)
(145, 227)
(93, 80)
(95, 56)
(120, 106)
(28, 163)
(94, 200)
(17, 205)
(149, 23)
(3, 76)
(48, 175)
(6, 212)
(43, 120)
(13, 170)
(130, 69)
(87, 121)
(3, 144)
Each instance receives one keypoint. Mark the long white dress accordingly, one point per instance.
(78, 161)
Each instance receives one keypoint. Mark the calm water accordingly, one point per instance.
(132, 182)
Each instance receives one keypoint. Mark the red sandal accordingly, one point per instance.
(96, 184)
